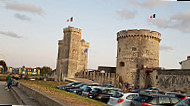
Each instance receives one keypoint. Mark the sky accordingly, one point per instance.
(30, 29)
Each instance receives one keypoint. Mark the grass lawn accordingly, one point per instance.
(48, 87)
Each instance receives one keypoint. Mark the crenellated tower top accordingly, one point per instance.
(72, 29)
(139, 34)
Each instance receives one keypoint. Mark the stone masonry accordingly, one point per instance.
(72, 54)
(136, 49)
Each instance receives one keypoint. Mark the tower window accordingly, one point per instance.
(122, 64)
(137, 65)
(119, 49)
(134, 49)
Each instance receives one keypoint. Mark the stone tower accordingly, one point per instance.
(136, 49)
(72, 54)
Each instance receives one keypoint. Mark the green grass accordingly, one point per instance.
(48, 87)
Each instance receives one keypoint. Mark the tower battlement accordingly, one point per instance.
(139, 33)
(60, 42)
(72, 29)
(84, 43)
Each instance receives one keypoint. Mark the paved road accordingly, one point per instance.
(6, 97)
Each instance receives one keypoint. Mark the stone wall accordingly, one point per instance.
(178, 79)
(107, 69)
(102, 78)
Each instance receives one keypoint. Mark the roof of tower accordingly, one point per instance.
(139, 33)
(72, 29)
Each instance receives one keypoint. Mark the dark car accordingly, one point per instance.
(94, 93)
(80, 90)
(86, 91)
(108, 85)
(185, 102)
(106, 93)
(154, 100)
(68, 85)
(183, 96)
(142, 92)
(136, 91)
(69, 89)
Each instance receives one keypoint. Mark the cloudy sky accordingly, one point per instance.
(30, 29)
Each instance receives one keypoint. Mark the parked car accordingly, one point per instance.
(68, 85)
(106, 93)
(185, 102)
(148, 92)
(69, 89)
(108, 85)
(73, 84)
(136, 91)
(94, 93)
(86, 91)
(121, 99)
(154, 100)
(153, 89)
(171, 93)
(96, 90)
(80, 90)
(183, 96)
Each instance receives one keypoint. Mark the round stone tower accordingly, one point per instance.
(136, 49)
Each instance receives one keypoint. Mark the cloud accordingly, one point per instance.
(149, 3)
(163, 47)
(22, 17)
(24, 7)
(126, 14)
(10, 34)
(179, 21)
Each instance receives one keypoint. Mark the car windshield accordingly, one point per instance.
(79, 85)
(117, 95)
(96, 90)
(142, 98)
(111, 92)
(83, 87)
(108, 85)
(70, 84)
(88, 89)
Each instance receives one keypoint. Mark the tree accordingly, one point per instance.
(44, 70)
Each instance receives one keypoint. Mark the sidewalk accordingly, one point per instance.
(6, 97)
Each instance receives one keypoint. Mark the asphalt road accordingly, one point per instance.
(6, 97)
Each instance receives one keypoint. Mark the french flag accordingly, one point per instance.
(70, 20)
(153, 16)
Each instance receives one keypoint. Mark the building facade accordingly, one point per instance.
(185, 64)
(72, 54)
(136, 49)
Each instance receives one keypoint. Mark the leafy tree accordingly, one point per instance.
(44, 70)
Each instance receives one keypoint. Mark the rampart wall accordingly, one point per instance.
(174, 79)
(102, 78)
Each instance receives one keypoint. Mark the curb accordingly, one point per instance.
(42, 98)
(22, 98)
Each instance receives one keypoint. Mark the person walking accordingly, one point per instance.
(9, 81)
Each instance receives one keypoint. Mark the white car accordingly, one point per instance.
(121, 99)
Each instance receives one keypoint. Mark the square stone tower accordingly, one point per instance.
(72, 54)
